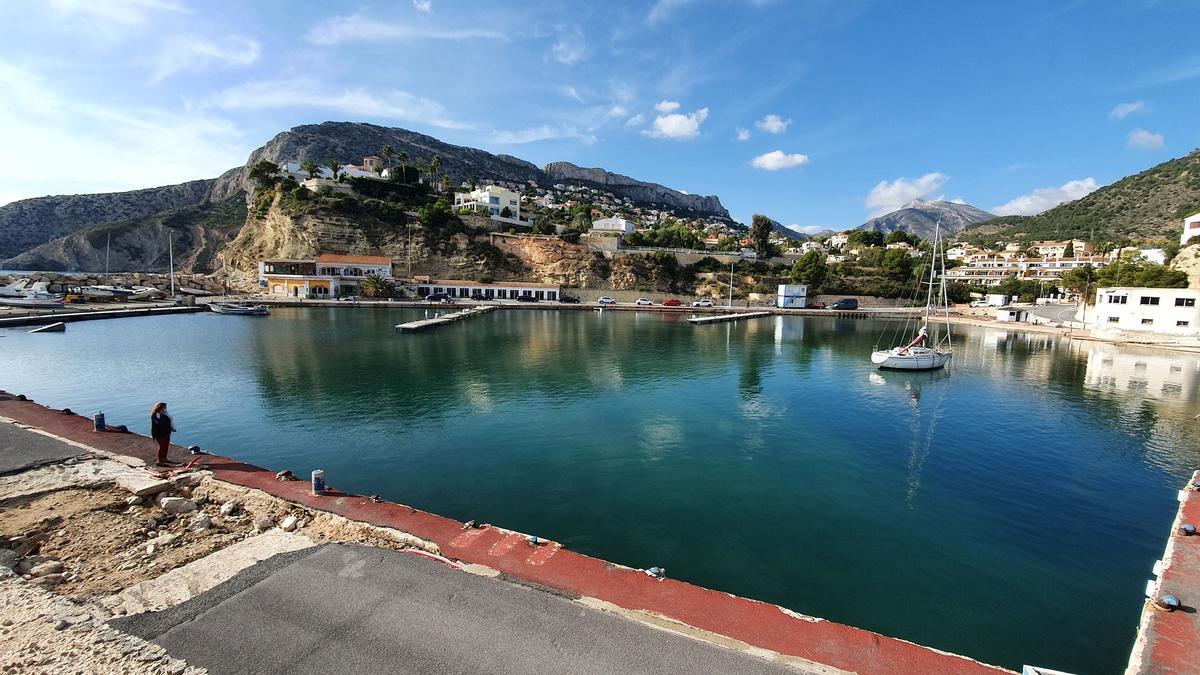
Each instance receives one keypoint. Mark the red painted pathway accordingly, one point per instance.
(756, 623)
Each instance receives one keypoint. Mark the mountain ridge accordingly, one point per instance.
(921, 217)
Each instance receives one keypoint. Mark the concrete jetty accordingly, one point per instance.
(718, 318)
(446, 318)
(86, 315)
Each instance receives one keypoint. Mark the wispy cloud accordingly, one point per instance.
(663, 9)
(636, 121)
(1145, 140)
(777, 160)
(198, 53)
(130, 12)
(353, 101)
(666, 106)
(616, 111)
(773, 124)
(1041, 199)
(544, 132)
(572, 93)
(1185, 69)
(743, 134)
(425, 6)
(887, 196)
(570, 45)
(677, 126)
(359, 28)
(1124, 110)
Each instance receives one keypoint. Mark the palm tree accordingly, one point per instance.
(311, 168)
(388, 152)
(435, 163)
(403, 157)
(445, 182)
(374, 286)
(335, 167)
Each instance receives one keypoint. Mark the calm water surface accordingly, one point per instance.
(1010, 509)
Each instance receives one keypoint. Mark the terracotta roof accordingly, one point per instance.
(338, 259)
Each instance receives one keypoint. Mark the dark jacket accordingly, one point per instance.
(160, 425)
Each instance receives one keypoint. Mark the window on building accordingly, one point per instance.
(1185, 302)
(493, 200)
(1114, 319)
(1182, 324)
(1147, 322)
(1118, 299)
(1149, 300)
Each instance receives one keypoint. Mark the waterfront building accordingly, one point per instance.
(1191, 229)
(330, 275)
(992, 270)
(498, 290)
(619, 225)
(1170, 311)
(492, 200)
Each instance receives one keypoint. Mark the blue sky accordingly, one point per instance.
(819, 114)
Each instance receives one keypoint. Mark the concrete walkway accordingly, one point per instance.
(353, 609)
(22, 449)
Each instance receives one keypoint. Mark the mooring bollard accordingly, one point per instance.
(98, 421)
(318, 482)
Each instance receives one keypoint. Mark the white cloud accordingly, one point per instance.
(663, 9)
(889, 196)
(356, 101)
(777, 160)
(1045, 198)
(572, 92)
(743, 134)
(570, 46)
(544, 132)
(1124, 110)
(808, 229)
(423, 5)
(616, 111)
(198, 53)
(677, 126)
(666, 106)
(1140, 138)
(358, 28)
(773, 124)
(636, 121)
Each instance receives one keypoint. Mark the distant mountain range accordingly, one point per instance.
(38, 232)
(1147, 206)
(920, 217)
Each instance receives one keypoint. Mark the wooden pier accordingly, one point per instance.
(718, 318)
(446, 318)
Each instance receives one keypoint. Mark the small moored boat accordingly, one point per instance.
(924, 352)
(239, 309)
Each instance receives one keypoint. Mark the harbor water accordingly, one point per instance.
(1009, 508)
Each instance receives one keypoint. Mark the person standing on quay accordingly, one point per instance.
(161, 427)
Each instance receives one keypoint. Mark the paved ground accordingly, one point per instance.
(21, 449)
(353, 609)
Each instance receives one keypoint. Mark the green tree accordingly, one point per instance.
(506, 212)
(388, 152)
(865, 238)
(810, 269)
(727, 243)
(760, 234)
(435, 163)
(897, 263)
(581, 217)
(375, 286)
(336, 167)
(1069, 251)
(1079, 279)
(435, 216)
(311, 168)
(265, 174)
(902, 237)
(403, 157)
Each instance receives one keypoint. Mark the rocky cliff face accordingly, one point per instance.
(920, 217)
(551, 260)
(1188, 261)
(636, 190)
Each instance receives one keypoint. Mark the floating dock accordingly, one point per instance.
(446, 318)
(717, 318)
(85, 315)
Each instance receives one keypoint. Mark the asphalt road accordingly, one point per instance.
(21, 449)
(342, 608)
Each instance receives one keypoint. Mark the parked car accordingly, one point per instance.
(815, 305)
(568, 299)
(476, 295)
(643, 302)
(705, 302)
(438, 297)
(980, 303)
(845, 303)
(606, 301)
(673, 302)
(527, 298)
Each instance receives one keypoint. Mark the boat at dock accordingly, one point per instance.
(37, 296)
(923, 351)
(15, 289)
(239, 309)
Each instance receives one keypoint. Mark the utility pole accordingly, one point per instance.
(731, 263)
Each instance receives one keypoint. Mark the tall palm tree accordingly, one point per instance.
(388, 152)
(403, 157)
(334, 166)
(435, 163)
(311, 168)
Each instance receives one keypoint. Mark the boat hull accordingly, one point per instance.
(240, 310)
(925, 360)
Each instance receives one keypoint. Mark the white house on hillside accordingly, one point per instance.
(1191, 229)
(491, 199)
(613, 225)
(1172, 311)
(839, 240)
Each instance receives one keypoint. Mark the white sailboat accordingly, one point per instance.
(924, 351)
(37, 296)
(15, 289)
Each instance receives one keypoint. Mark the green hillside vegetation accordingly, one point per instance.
(1144, 208)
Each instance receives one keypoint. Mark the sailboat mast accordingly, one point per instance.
(171, 260)
(107, 245)
(929, 292)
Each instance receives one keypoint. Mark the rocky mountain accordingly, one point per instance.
(920, 217)
(635, 190)
(30, 222)
(37, 232)
(1149, 206)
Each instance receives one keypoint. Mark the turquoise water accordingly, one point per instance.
(1010, 509)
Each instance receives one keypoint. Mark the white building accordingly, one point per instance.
(292, 169)
(1171, 311)
(792, 295)
(1191, 229)
(613, 225)
(809, 246)
(330, 275)
(491, 199)
(499, 290)
(838, 240)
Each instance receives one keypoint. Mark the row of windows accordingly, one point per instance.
(1150, 322)
(1150, 300)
